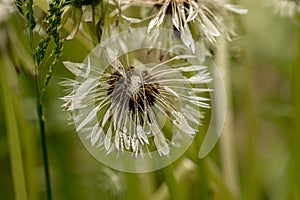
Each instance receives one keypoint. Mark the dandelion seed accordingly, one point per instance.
(129, 106)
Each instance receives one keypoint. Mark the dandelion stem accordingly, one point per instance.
(202, 170)
(203, 178)
(132, 190)
(171, 182)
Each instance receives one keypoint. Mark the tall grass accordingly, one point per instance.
(8, 86)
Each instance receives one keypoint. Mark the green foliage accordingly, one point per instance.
(19, 5)
(53, 21)
(29, 14)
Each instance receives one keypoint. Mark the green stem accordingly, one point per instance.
(182, 172)
(171, 182)
(41, 119)
(218, 185)
(42, 129)
(252, 182)
(30, 156)
(295, 138)
(202, 170)
(40, 112)
(227, 139)
(11, 120)
(132, 186)
(203, 179)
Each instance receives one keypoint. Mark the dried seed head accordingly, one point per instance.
(131, 105)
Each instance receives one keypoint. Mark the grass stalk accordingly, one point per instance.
(14, 145)
(227, 138)
(40, 111)
(295, 138)
(30, 156)
(42, 129)
(252, 183)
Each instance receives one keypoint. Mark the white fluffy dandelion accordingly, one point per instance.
(139, 108)
(208, 18)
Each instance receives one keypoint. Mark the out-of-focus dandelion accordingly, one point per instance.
(91, 11)
(132, 107)
(5, 10)
(202, 20)
(10, 44)
(111, 184)
(285, 8)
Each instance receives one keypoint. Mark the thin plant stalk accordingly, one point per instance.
(30, 156)
(40, 113)
(14, 144)
(227, 140)
(149, 180)
(182, 172)
(252, 183)
(42, 129)
(132, 186)
(295, 138)
(202, 169)
(171, 182)
(218, 186)
(203, 179)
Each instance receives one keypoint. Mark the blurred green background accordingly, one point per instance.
(261, 132)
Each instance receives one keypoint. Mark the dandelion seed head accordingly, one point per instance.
(130, 108)
(138, 89)
(208, 17)
(122, 105)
